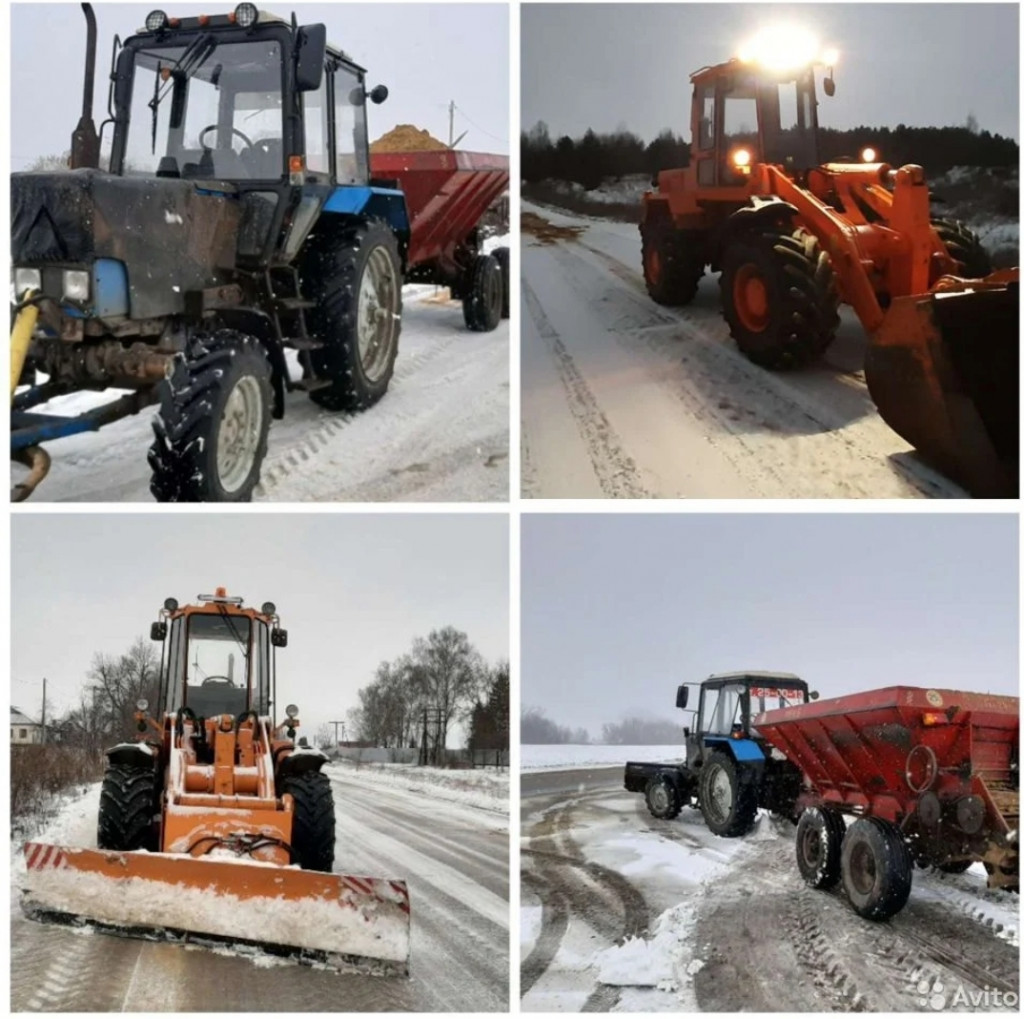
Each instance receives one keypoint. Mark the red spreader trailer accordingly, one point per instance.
(448, 193)
(929, 776)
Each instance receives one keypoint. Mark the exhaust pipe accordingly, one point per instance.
(85, 144)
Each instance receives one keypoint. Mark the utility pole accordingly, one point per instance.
(44, 709)
(451, 123)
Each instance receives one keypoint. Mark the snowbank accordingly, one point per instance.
(572, 755)
(483, 788)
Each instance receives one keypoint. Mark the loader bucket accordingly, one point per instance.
(340, 919)
(943, 371)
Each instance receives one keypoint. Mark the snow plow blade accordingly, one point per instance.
(943, 371)
(334, 918)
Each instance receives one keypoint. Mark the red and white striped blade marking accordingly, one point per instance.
(40, 856)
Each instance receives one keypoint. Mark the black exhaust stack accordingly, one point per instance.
(85, 144)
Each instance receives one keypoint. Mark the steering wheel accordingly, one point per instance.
(220, 680)
(213, 127)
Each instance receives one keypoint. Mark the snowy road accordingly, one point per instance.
(726, 924)
(454, 857)
(623, 398)
(440, 434)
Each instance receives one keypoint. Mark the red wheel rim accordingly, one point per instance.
(653, 265)
(750, 298)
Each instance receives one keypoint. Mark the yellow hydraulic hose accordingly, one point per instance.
(21, 337)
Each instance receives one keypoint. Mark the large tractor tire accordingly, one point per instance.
(501, 256)
(355, 278)
(313, 820)
(129, 800)
(877, 868)
(663, 799)
(482, 294)
(673, 262)
(819, 840)
(780, 298)
(728, 798)
(211, 432)
(964, 245)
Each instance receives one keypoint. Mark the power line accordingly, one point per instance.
(504, 141)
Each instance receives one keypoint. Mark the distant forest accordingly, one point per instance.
(594, 157)
(536, 728)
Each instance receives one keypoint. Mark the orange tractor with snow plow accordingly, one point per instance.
(794, 239)
(214, 823)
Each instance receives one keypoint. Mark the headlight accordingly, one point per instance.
(246, 15)
(142, 704)
(156, 21)
(269, 608)
(26, 280)
(76, 285)
(292, 711)
(741, 157)
(868, 155)
(170, 604)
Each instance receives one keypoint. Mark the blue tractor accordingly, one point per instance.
(236, 219)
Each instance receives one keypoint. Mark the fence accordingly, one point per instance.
(410, 755)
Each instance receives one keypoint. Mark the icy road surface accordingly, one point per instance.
(623, 912)
(439, 434)
(623, 398)
(453, 856)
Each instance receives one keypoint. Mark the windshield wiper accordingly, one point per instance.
(193, 57)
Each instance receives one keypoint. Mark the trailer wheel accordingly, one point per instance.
(964, 245)
(129, 800)
(482, 295)
(211, 432)
(728, 799)
(312, 821)
(663, 799)
(355, 278)
(673, 262)
(877, 868)
(780, 298)
(501, 256)
(819, 840)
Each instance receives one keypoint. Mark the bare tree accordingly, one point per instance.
(451, 674)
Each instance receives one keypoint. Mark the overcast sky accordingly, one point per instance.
(427, 55)
(611, 65)
(619, 610)
(352, 591)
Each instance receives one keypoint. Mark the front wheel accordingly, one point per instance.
(355, 277)
(129, 800)
(312, 821)
(663, 799)
(673, 262)
(965, 246)
(210, 436)
(728, 798)
(780, 298)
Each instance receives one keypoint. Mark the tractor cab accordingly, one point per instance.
(729, 701)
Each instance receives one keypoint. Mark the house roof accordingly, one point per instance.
(20, 718)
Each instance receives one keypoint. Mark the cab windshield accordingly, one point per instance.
(769, 698)
(789, 122)
(207, 110)
(217, 666)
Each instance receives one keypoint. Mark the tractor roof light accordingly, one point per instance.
(246, 15)
(268, 608)
(142, 704)
(156, 21)
(292, 711)
(786, 48)
(170, 604)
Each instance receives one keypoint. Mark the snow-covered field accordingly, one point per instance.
(535, 757)
(440, 433)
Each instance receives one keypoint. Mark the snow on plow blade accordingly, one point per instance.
(943, 371)
(350, 920)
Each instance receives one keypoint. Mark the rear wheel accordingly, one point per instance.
(780, 298)
(663, 799)
(312, 821)
(877, 868)
(211, 432)
(728, 798)
(482, 294)
(355, 276)
(819, 840)
(129, 800)
(501, 256)
(673, 262)
(964, 245)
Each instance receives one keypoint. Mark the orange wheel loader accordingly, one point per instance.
(794, 239)
(213, 824)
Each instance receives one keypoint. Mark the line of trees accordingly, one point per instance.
(444, 675)
(593, 157)
(536, 728)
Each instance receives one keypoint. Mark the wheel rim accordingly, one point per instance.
(862, 869)
(810, 847)
(750, 298)
(376, 316)
(653, 265)
(720, 794)
(239, 434)
(659, 798)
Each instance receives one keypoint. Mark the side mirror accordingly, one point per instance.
(813, 695)
(279, 637)
(682, 695)
(378, 94)
(158, 631)
(829, 85)
(310, 53)
(686, 732)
